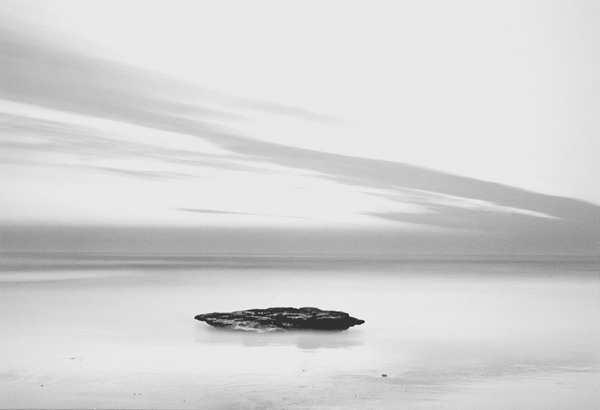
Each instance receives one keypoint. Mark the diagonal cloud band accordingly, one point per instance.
(42, 73)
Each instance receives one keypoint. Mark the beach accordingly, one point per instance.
(428, 168)
(119, 332)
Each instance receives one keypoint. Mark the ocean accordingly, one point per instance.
(118, 331)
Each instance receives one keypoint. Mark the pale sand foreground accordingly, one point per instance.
(457, 336)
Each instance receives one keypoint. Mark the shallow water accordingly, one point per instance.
(118, 332)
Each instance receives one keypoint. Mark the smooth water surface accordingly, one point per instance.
(116, 331)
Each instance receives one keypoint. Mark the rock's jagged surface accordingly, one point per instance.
(281, 318)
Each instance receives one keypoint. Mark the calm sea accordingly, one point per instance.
(117, 331)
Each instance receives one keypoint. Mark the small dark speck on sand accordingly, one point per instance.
(384, 375)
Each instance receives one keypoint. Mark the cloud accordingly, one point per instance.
(133, 151)
(285, 110)
(42, 73)
(213, 212)
(272, 241)
(395, 177)
(234, 213)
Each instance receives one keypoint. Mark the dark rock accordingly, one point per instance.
(281, 318)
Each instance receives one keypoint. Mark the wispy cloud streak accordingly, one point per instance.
(45, 74)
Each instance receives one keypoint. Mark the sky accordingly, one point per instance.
(269, 126)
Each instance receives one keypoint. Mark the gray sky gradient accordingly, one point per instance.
(490, 218)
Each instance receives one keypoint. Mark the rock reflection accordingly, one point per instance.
(303, 339)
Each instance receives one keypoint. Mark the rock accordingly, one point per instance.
(281, 318)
